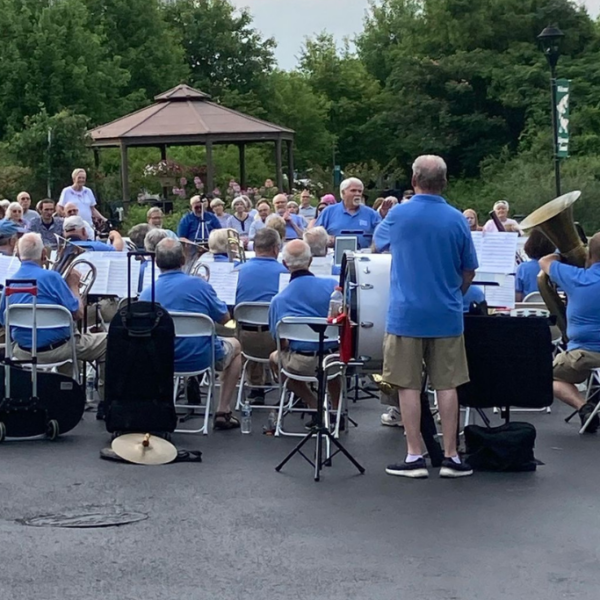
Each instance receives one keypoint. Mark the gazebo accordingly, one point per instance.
(185, 116)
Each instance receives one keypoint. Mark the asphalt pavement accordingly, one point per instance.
(233, 528)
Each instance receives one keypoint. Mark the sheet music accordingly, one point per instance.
(501, 295)
(117, 280)
(102, 271)
(495, 251)
(321, 266)
(284, 279)
(9, 265)
(223, 279)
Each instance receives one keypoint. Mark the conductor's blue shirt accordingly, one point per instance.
(258, 280)
(338, 221)
(52, 289)
(190, 226)
(176, 291)
(526, 277)
(582, 287)
(431, 246)
(305, 296)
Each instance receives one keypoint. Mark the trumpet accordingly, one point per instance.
(235, 247)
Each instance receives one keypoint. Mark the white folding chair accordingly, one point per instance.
(48, 316)
(196, 325)
(534, 297)
(298, 329)
(251, 316)
(593, 385)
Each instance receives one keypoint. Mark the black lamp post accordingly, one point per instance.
(550, 41)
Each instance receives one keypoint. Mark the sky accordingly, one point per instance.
(290, 21)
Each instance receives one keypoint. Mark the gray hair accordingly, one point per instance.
(317, 239)
(501, 203)
(137, 234)
(266, 239)
(218, 241)
(30, 247)
(153, 237)
(13, 206)
(350, 181)
(429, 172)
(296, 255)
(169, 255)
(277, 223)
(154, 211)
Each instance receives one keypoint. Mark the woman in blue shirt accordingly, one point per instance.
(536, 246)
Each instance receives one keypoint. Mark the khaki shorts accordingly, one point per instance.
(229, 353)
(299, 364)
(445, 362)
(575, 366)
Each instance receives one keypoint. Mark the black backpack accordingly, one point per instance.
(508, 447)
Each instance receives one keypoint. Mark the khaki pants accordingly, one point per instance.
(89, 347)
(259, 344)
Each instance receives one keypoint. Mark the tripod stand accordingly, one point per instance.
(320, 431)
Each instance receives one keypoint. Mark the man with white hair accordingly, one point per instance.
(433, 264)
(317, 239)
(501, 209)
(198, 223)
(82, 197)
(153, 237)
(294, 224)
(75, 231)
(350, 217)
(29, 216)
(154, 218)
(52, 346)
(176, 291)
(305, 296)
(71, 210)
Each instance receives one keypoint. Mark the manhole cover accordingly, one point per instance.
(94, 517)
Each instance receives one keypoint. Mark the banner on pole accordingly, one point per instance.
(561, 104)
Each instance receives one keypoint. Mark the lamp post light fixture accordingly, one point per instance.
(549, 41)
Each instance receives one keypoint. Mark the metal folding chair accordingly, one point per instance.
(195, 325)
(593, 386)
(297, 329)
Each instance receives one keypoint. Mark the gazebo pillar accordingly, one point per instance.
(124, 174)
(278, 168)
(242, 149)
(290, 155)
(210, 171)
(96, 171)
(163, 156)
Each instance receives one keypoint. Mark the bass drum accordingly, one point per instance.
(366, 286)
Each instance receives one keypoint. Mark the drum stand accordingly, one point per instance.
(320, 430)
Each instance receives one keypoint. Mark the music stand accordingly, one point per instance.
(320, 430)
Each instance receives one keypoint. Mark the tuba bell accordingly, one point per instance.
(555, 220)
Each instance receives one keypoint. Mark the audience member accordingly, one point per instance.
(48, 226)
(307, 210)
(198, 223)
(294, 224)
(471, 217)
(82, 197)
(24, 199)
(501, 209)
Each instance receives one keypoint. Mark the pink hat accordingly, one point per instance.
(328, 199)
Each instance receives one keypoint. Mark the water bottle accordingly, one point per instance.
(336, 303)
(89, 387)
(271, 424)
(246, 417)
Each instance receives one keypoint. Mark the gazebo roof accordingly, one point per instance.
(184, 115)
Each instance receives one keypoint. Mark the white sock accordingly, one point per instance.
(413, 457)
(455, 458)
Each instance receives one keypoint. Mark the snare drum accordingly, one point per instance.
(366, 294)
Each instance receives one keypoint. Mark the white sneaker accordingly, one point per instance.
(392, 418)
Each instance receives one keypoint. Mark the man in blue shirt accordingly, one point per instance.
(294, 224)
(197, 224)
(176, 291)
(351, 217)
(76, 232)
(536, 247)
(52, 346)
(582, 287)
(433, 264)
(258, 281)
(305, 296)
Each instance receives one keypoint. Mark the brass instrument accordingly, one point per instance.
(235, 247)
(200, 269)
(192, 252)
(555, 220)
(67, 257)
(88, 277)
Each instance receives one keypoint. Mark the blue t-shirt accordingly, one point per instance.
(338, 221)
(190, 226)
(93, 246)
(52, 289)
(258, 280)
(290, 232)
(582, 287)
(474, 294)
(305, 296)
(526, 277)
(431, 246)
(176, 291)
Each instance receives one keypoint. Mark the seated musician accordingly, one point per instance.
(154, 218)
(305, 296)
(176, 291)
(536, 247)
(75, 231)
(351, 215)
(501, 208)
(137, 235)
(8, 237)
(72, 210)
(258, 281)
(278, 224)
(48, 226)
(153, 237)
(294, 224)
(317, 240)
(218, 245)
(52, 344)
(198, 223)
(582, 287)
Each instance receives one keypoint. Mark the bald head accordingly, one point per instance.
(594, 249)
(429, 174)
(296, 256)
(169, 255)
